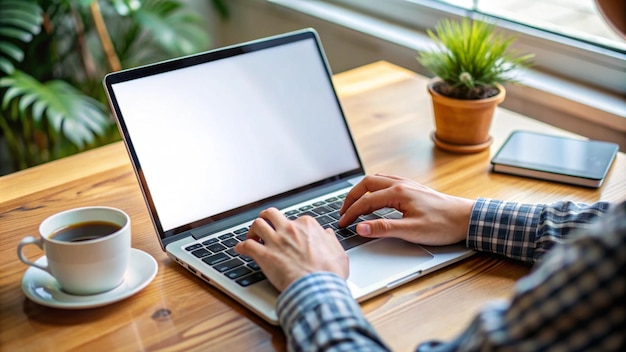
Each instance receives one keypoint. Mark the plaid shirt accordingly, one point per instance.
(574, 299)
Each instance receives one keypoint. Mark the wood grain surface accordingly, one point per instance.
(389, 113)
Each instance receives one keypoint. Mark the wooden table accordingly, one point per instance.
(390, 114)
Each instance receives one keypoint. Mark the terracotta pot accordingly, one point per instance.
(462, 126)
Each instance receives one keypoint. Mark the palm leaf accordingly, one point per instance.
(20, 21)
(177, 31)
(70, 113)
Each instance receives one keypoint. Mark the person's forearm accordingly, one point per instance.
(572, 300)
(317, 312)
(526, 231)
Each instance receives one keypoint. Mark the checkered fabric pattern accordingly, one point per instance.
(525, 231)
(318, 313)
(572, 301)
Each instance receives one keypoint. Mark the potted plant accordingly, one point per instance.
(471, 63)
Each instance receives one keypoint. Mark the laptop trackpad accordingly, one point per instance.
(381, 260)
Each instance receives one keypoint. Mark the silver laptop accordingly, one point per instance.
(216, 137)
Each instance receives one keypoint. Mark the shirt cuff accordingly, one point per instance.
(310, 291)
(505, 228)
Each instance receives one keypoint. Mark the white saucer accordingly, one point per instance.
(44, 289)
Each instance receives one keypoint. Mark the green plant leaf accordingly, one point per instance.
(26, 10)
(20, 21)
(470, 56)
(176, 30)
(125, 7)
(12, 51)
(16, 33)
(72, 114)
(6, 66)
(26, 22)
(221, 8)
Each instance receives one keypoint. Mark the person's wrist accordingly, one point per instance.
(463, 215)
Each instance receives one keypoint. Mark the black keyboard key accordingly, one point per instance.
(216, 247)
(226, 235)
(227, 265)
(384, 211)
(215, 258)
(394, 215)
(335, 205)
(309, 213)
(238, 272)
(354, 241)
(333, 226)
(305, 208)
(371, 216)
(210, 241)
(231, 252)
(251, 279)
(254, 266)
(242, 237)
(292, 212)
(199, 253)
(335, 215)
(193, 247)
(231, 242)
(325, 219)
(345, 233)
(245, 258)
(317, 204)
(331, 199)
(241, 230)
(322, 210)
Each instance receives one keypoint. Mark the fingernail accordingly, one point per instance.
(364, 229)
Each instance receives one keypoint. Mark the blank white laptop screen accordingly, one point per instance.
(223, 134)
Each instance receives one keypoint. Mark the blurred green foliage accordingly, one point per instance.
(54, 54)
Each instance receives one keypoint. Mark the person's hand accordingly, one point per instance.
(429, 217)
(292, 249)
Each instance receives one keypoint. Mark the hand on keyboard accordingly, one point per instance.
(428, 217)
(219, 252)
(292, 249)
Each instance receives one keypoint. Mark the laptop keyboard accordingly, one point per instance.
(218, 252)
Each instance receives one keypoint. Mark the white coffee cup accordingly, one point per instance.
(84, 266)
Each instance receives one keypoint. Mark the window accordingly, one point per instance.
(588, 52)
(579, 19)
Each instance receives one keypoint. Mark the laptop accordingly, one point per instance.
(216, 137)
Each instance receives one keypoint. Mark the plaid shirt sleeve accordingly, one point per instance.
(317, 313)
(572, 301)
(526, 231)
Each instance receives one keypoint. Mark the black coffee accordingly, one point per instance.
(85, 231)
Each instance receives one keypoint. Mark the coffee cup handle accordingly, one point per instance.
(26, 241)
